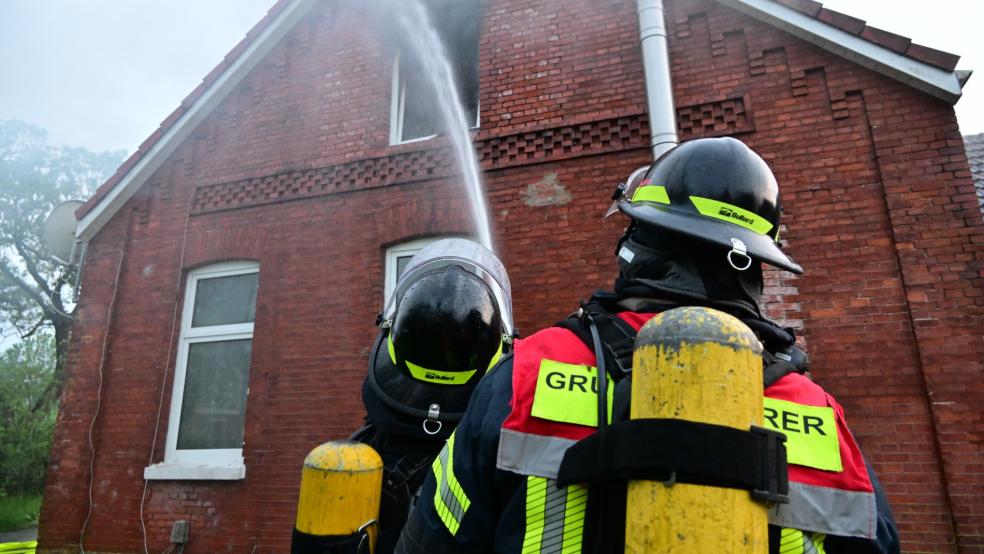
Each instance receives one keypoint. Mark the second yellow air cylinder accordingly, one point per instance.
(341, 484)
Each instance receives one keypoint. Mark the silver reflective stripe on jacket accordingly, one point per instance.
(529, 454)
(450, 500)
(827, 510)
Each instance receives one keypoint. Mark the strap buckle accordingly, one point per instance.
(774, 486)
(433, 412)
(738, 247)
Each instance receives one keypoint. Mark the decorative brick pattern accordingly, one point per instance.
(588, 138)
(293, 185)
(724, 117)
(550, 144)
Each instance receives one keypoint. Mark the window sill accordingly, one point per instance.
(472, 132)
(411, 140)
(198, 472)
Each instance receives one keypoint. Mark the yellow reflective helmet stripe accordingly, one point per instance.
(495, 357)
(794, 541)
(391, 349)
(437, 376)
(554, 517)
(450, 500)
(811, 433)
(568, 393)
(651, 193)
(710, 208)
(732, 214)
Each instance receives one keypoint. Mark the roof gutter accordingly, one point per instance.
(937, 82)
(656, 66)
(151, 161)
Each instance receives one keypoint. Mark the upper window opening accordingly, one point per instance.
(397, 258)
(416, 114)
(225, 300)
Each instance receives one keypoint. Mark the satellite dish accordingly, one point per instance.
(58, 231)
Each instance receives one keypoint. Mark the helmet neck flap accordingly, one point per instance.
(657, 264)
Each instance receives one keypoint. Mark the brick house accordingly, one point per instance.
(255, 233)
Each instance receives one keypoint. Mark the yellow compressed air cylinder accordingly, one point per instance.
(701, 365)
(341, 483)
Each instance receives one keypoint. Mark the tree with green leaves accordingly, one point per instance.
(36, 291)
(26, 371)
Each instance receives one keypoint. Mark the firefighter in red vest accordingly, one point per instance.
(704, 218)
(447, 321)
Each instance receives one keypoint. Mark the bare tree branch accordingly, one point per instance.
(35, 328)
(26, 288)
(29, 262)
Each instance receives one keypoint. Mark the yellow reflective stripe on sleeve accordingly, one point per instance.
(794, 541)
(450, 500)
(568, 393)
(811, 433)
(651, 193)
(554, 517)
(731, 214)
(536, 497)
(577, 504)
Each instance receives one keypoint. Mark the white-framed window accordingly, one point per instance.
(397, 257)
(211, 377)
(415, 114)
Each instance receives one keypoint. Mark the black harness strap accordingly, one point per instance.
(617, 337)
(679, 451)
(777, 370)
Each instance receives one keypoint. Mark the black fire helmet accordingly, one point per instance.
(446, 329)
(717, 191)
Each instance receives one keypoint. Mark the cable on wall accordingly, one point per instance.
(95, 415)
(164, 369)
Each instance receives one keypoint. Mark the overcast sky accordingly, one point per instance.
(104, 73)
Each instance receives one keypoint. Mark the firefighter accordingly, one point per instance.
(704, 218)
(446, 323)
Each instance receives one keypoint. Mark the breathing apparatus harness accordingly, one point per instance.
(667, 450)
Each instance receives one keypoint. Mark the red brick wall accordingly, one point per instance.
(293, 170)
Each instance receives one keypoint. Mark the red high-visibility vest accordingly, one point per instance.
(554, 374)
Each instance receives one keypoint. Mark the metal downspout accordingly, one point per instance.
(659, 87)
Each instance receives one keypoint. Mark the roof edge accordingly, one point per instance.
(926, 77)
(165, 140)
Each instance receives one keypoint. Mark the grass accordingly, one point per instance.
(18, 511)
